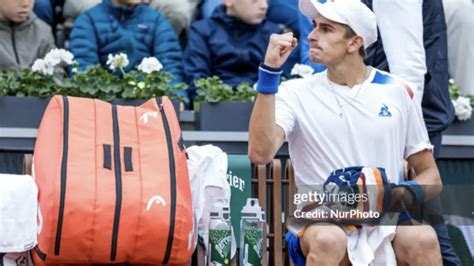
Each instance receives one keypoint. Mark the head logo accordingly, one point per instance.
(155, 199)
(145, 116)
(384, 112)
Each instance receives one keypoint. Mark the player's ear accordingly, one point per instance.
(355, 44)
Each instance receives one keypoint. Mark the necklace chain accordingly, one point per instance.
(336, 95)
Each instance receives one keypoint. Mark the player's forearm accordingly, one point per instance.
(264, 138)
(430, 181)
(263, 130)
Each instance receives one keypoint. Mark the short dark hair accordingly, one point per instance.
(351, 33)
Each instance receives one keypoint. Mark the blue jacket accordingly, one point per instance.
(44, 10)
(224, 46)
(138, 32)
(438, 110)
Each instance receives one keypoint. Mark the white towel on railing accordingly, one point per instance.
(207, 167)
(18, 210)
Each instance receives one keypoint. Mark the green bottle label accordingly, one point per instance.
(253, 246)
(220, 241)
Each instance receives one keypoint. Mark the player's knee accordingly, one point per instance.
(330, 239)
(423, 242)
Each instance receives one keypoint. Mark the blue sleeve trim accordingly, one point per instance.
(268, 80)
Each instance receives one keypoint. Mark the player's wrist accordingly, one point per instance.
(271, 65)
(268, 79)
(415, 189)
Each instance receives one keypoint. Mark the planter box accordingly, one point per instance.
(225, 116)
(22, 112)
(18, 112)
(461, 127)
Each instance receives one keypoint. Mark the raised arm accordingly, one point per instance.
(265, 136)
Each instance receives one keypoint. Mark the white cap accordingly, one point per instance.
(252, 210)
(220, 209)
(352, 13)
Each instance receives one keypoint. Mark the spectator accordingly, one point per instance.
(73, 8)
(44, 10)
(179, 13)
(279, 11)
(460, 22)
(23, 37)
(230, 44)
(125, 26)
(283, 12)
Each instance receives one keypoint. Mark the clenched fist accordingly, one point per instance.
(279, 48)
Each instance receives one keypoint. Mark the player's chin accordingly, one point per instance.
(317, 59)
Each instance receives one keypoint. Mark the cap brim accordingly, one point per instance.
(312, 8)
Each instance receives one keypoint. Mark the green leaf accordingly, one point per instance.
(129, 93)
(89, 90)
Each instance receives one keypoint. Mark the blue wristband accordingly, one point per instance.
(268, 80)
(417, 190)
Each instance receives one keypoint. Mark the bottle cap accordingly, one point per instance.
(252, 210)
(220, 209)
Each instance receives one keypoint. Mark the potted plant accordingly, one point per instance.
(463, 124)
(222, 109)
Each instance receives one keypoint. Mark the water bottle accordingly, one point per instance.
(220, 234)
(251, 233)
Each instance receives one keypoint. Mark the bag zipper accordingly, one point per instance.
(118, 182)
(172, 167)
(62, 197)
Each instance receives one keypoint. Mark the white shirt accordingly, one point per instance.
(401, 28)
(381, 125)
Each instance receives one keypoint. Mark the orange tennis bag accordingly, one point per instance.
(113, 184)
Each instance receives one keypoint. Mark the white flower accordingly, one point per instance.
(451, 81)
(117, 61)
(149, 65)
(302, 70)
(43, 66)
(57, 56)
(463, 108)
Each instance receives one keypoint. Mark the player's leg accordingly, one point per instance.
(416, 245)
(324, 245)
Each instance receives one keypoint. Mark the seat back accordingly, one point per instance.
(275, 189)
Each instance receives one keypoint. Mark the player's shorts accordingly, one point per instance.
(294, 250)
